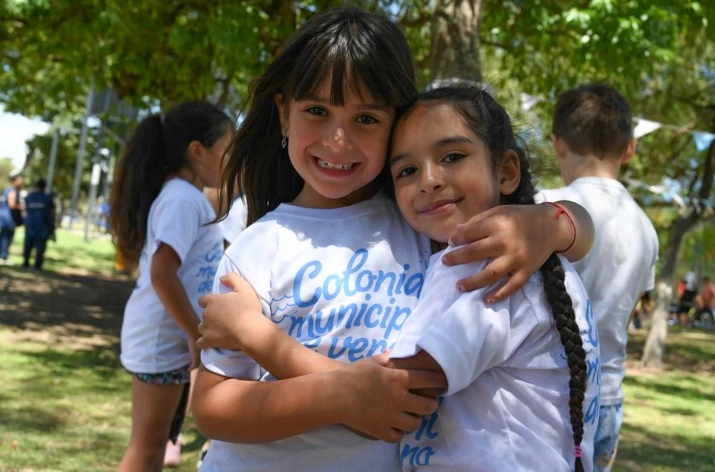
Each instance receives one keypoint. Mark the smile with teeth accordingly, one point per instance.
(331, 166)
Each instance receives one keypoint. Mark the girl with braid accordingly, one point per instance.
(519, 394)
(522, 373)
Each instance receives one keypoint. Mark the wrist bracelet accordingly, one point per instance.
(561, 211)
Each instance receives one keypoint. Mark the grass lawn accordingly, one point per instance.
(70, 253)
(669, 416)
(65, 400)
(66, 409)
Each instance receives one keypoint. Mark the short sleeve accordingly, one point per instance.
(176, 222)
(460, 331)
(226, 362)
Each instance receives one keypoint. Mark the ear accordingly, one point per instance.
(195, 150)
(282, 111)
(509, 173)
(630, 151)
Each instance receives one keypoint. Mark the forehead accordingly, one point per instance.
(340, 90)
(429, 121)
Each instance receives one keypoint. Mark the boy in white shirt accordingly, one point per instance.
(592, 138)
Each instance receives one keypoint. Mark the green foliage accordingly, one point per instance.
(658, 53)
(6, 169)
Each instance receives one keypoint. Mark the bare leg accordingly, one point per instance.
(153, 408)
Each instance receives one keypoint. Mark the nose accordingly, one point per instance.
(431, 178)
(337, 138)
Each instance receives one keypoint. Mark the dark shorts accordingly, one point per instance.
(178, 376)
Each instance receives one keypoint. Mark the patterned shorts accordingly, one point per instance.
(178, 376)
(610, 419)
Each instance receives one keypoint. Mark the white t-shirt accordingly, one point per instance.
(235, 221)
(152, 342)
(620, 265)
(341, 281)
(506, 407)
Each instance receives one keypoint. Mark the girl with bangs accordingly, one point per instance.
(333, 262)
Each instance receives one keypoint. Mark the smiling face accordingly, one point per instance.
(442, 172)
(337, 150)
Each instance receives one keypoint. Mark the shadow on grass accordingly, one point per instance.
(29, 417)
(684, 392)
(686, 350)
(101, 362)
(65, 306)
(642, 450)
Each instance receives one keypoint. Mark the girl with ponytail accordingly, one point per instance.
(159, 217)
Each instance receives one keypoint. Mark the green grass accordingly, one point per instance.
(669, 416)
(66, 409)
(70, 252)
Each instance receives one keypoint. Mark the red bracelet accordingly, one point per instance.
(561, 211)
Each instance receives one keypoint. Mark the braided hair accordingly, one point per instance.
(490, 122)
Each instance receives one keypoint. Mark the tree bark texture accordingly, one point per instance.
(655, 343)
(455, 40)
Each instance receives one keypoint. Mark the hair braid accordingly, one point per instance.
(562, 310)
(489, 121)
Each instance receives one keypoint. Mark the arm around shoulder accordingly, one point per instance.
(575, 232)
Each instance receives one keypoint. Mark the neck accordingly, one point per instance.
(592, 166)
(191, 177)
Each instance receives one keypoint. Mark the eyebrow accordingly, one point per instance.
(442, 142)
(362, 106)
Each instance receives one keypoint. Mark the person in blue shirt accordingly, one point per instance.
(39, 223)
(10, 215)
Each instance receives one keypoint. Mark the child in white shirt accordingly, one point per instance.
(522, 373)
(159, 223)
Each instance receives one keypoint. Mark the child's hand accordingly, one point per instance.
(378, 401)
(231, 319)
(512, 236)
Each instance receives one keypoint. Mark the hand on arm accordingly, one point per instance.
(421, 361)
(518, 239)
(365, 396)
(236, 321)
(164, 266)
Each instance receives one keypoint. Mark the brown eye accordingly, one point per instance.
(453, 157)
(407, 171)
(366, 119)
(318, 111)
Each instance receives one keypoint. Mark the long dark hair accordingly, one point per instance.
(156, 150)
(355, 47)
(490, 122)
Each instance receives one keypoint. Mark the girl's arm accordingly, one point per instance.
(235, 320)
(165, 264)
(518, 239)
(366, 396)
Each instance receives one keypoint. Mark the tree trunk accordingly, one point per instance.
(655, 344)
(455, 40)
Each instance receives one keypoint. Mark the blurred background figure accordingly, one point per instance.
(686, 298)
(11, 209)
(704, 304)
(642, 310)
(39, 223)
